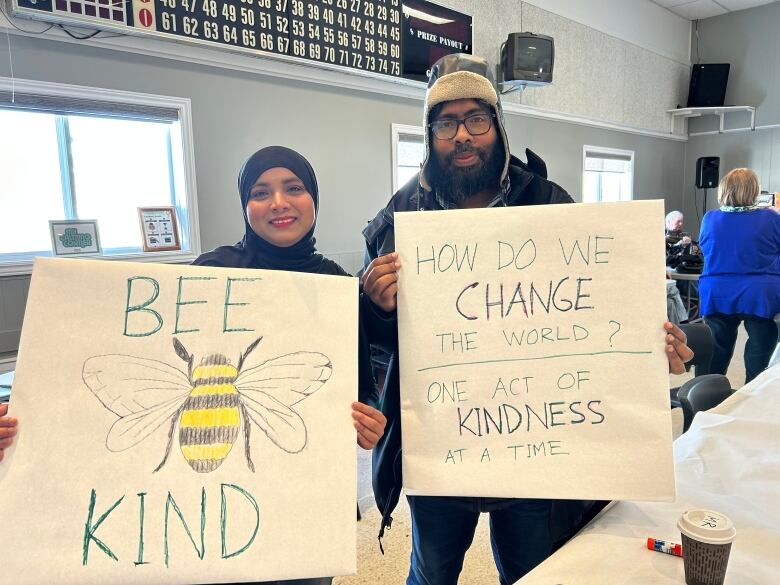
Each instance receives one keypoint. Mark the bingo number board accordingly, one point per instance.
(396, 38)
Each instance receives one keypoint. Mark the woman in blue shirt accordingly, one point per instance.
(741, 277)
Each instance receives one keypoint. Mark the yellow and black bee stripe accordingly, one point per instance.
(211, 416)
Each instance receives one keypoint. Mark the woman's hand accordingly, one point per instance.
(380, 281)
(369, 424)
(677, 352)
(8, 427)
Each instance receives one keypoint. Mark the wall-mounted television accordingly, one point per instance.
(528, 58)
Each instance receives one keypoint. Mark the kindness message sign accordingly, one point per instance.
(181, 425)
(532, 352)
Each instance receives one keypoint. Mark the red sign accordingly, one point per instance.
(145, 17)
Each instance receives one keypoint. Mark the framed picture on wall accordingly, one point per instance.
(159, 228)
(74, 237)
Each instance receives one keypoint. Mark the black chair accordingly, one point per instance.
(775, 359)
(702, 393)
(700, 340)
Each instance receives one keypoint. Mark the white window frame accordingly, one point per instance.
(397, 130)
(183, 106)
(609, 151)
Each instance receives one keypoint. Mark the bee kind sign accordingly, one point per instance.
(181, 425)
(532, 352)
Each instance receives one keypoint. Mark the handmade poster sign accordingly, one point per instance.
(532, 352)
(181, 425)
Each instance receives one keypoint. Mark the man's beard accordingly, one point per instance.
(456, 184)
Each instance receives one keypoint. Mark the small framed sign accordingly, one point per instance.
(159, 228)
(74, 237)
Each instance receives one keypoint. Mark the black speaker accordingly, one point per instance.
(707, 175)
(708, 85)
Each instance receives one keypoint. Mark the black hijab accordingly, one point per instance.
(255, 252)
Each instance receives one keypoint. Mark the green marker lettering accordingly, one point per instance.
(228, 288)
(223, 519)
(90, 529)
(171, 502)
(142, 307)
(180, 303)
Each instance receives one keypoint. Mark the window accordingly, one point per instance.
(80, 153)
(408, 153)
(607, 174)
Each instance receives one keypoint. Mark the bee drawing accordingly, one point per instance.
(211, 403)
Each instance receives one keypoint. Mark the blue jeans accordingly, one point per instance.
(762, 339)
(443, 529)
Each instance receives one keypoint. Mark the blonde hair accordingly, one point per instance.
(739, 188)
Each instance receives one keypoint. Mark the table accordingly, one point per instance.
(682, 275)
(729, 461)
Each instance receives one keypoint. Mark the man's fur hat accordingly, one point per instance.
(461, 76)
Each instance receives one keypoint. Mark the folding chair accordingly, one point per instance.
(702, 393)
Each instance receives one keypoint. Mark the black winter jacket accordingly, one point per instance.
(526, 188)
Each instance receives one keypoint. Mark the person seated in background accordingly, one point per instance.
(741, 278)
(678, 242)
(674, 234)
(682, 255)
(675, 308)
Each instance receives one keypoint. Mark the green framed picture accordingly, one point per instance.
(75, 237)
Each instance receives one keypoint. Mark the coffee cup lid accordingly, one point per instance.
(707, 526)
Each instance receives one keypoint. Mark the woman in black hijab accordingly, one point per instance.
(280, 199)
(253, 251)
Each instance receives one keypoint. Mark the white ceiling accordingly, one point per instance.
(696, 9)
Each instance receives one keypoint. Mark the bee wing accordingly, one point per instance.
(288, 378)
(130, 385)
(135, 427)
(284, 426)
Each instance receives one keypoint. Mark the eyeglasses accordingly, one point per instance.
(447, 128)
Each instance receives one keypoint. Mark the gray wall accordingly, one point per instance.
(595, 74)
(13, 296)
(748, 40)
(345, 134)
(600, 76)
(658, 169)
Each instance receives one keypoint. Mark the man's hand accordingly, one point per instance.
(369, 424)
(380, 281)
(7, 429)
(677, 352)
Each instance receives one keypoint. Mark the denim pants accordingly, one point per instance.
(762, 339)
(443, 529)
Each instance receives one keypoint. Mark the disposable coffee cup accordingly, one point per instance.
(706, 543)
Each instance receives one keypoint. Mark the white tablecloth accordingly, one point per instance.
(729, 461)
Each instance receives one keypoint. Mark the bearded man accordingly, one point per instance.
(467, 165)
